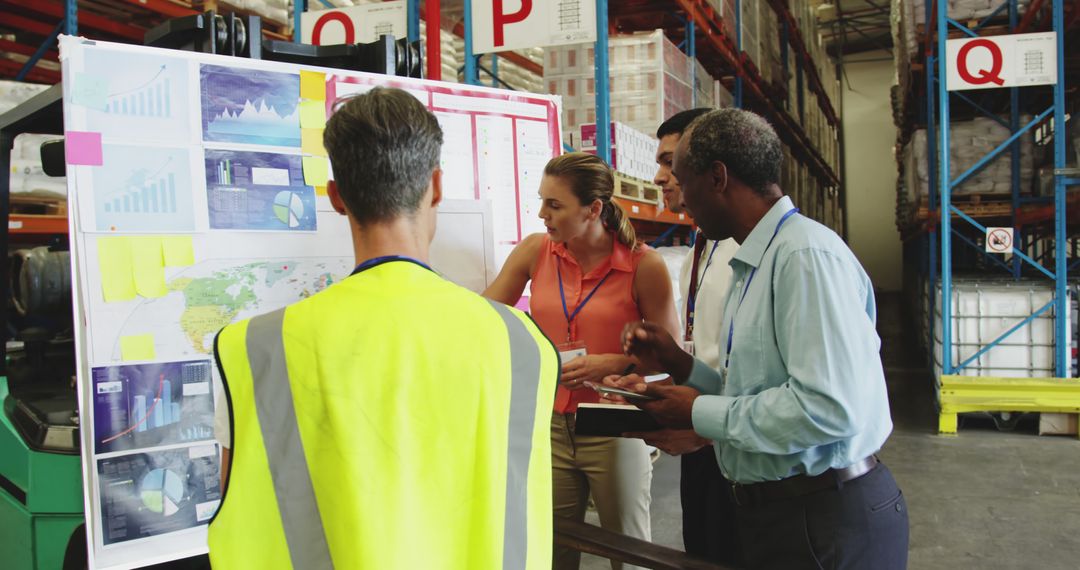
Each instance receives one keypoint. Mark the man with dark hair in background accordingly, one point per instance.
(799, 407)
(394, 420)
(708, 515)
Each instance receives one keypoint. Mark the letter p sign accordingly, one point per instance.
(504, 25)
(500, 18)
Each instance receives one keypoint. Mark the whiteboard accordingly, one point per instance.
(198, 199)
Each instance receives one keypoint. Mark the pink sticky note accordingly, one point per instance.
(83, 148)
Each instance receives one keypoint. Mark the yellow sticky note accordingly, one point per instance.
(148, 265)
(177, 251)
(315, 171)
(320, 190)
(312, 114)
(114, 263)
(137, 347)
(313, 85)
(311, 142)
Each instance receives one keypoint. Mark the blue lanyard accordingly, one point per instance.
(749, 278)
(570, 316)
(386, 258)
(691, 301)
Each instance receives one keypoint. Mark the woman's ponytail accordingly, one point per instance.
(616, 220)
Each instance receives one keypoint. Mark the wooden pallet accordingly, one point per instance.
(636, 189)
(988, 30)
(976, 210)
(38, 205)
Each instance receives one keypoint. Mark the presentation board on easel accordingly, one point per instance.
(197, 197)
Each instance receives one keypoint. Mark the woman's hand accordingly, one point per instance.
(591, 368)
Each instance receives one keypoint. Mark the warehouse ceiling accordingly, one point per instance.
(855, 26)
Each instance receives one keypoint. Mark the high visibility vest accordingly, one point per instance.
(394, 420)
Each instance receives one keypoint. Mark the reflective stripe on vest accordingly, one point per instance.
(274, 407)
(524, 360)
(295, 493)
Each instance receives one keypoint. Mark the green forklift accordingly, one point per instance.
(41, 492)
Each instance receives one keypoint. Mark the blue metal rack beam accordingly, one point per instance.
(412, 19)
(471, 75)
(1061, 307)
(298, 9)
(603, 95)
(1014, 150)
(691, 50)
(44, 47)
(71, 17)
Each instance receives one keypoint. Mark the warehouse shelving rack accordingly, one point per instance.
(49, 18)
(692, 23)
(700, 32)
(1034, 219)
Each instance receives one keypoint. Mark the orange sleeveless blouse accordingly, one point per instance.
(600, 321)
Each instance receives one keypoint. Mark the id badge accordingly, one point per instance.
(571, 350)
(688, 346)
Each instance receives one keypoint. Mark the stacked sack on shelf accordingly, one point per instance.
(25, 175)
(277, 11)
(970, 142)
(448, 48)
(966, 9)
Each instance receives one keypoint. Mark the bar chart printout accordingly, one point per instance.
(145, 405)
(143, 189)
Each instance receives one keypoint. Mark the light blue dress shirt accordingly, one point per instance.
(804, 389)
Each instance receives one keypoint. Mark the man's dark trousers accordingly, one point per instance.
(708, 511)
(862, 523)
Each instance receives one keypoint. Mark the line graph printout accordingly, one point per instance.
(147, 405)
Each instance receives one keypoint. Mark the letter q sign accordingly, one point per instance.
(1016, 60)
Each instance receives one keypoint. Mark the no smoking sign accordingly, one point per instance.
(999, 240)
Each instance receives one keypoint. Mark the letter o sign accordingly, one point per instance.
(333, 16)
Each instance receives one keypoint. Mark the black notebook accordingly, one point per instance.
(612, 420)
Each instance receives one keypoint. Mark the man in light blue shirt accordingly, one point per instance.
(799, 406)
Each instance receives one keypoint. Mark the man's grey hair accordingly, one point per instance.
(743, 141)
(383, 147)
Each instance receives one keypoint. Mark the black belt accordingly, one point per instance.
(799, 485)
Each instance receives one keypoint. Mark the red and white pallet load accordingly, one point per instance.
(633, 152)
(649, 80)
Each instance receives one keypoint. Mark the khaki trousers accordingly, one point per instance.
(616, 471)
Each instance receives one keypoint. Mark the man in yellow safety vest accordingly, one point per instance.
(394, 420)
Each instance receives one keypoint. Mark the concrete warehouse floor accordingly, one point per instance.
(984, 499)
